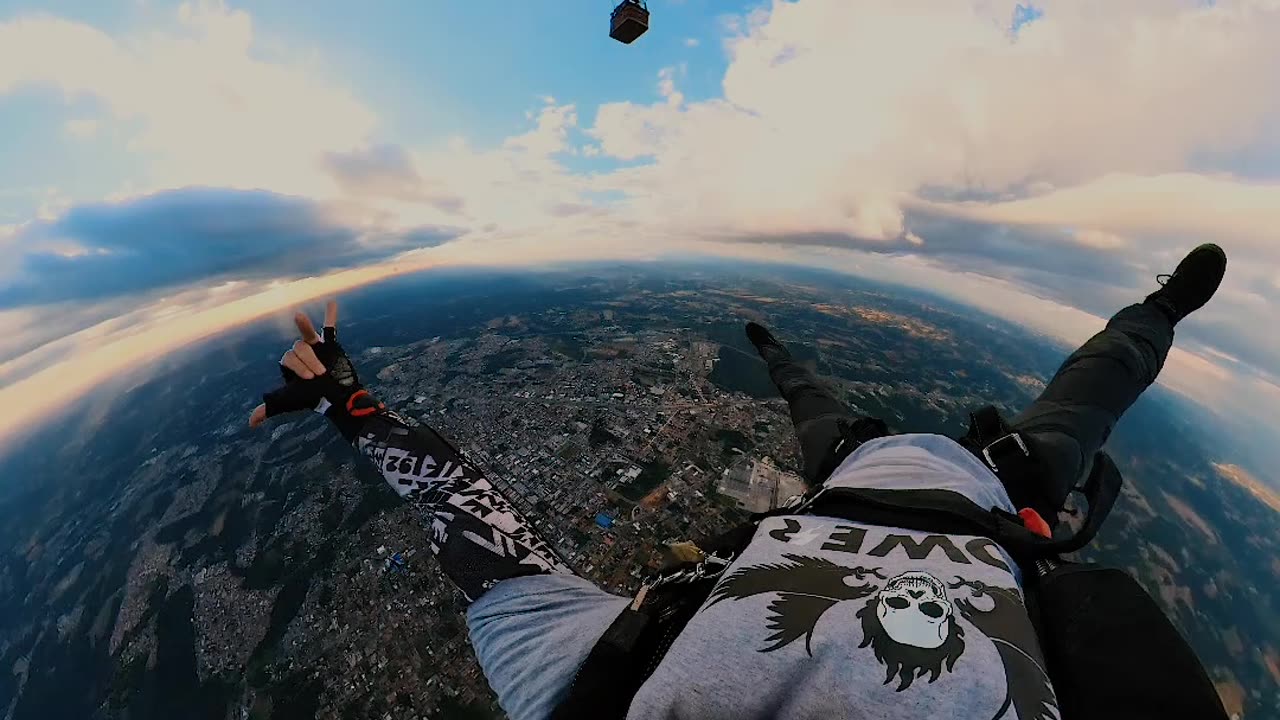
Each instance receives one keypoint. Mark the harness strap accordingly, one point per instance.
(1008, 454)
(852, 433)
(630, 650)
(1013, 460)
(610, 676)
(946, 512)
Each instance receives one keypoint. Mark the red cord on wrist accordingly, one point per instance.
(353, 411)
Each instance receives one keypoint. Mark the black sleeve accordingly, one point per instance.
(479, 538)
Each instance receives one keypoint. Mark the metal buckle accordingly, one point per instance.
(720, 564)
(805, 503)
(711, 566)
(1016, 438)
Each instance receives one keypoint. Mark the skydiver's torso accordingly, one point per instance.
(825, 618)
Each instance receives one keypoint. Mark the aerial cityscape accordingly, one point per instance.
(183, 565)
(550, 228)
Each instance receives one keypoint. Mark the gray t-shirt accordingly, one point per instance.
(825, 618)
(819, 618)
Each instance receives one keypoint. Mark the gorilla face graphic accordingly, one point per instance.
(914, 610)
(909, 621)
(911, 627)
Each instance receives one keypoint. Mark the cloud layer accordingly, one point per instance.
(204, 106)
(1073, 156)
(1064, 156)
(840, 108)
(181, 237)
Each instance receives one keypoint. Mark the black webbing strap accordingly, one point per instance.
(1008, 455)
(1100, 490)
(986, 426)
(853, 432)
(629, 651)
(611, 674)
(947, 512)
(1013, 459)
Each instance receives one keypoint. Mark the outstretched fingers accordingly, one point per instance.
(306, 329)
(292, 362)
(331, 321)
(300, 361)
(308, 357)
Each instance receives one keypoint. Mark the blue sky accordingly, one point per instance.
(434, 69)
(1040, 161)
(445, 67)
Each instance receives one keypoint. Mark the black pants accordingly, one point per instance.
(1065, 426)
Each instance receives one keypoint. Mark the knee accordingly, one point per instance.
(1122, 351)
(795, 384)
(1138, 356)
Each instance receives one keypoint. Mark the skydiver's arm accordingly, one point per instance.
(478, 536)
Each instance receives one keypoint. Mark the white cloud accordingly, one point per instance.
(691, 42)
(835, 111)
(208, 111)
(837, 118)
(1172, 204)
(549, 135)
(667, 85)
(1100, 239)
(1218, 354)
(519, 185)
(111, 350)
(52, 204)
(82, 128)
(1111, 124)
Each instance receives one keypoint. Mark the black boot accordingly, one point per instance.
(1192, 283)
(766, 344)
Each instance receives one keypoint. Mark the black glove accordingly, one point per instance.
(337, 393)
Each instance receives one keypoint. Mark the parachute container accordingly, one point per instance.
(630, 20)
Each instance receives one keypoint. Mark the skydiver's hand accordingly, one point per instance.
(318, 376)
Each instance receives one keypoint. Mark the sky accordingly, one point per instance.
(172, 170)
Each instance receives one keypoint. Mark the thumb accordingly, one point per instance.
(258, 416)
(288, 398)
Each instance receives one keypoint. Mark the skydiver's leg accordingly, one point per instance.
(817, 414)
(1075, 414)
